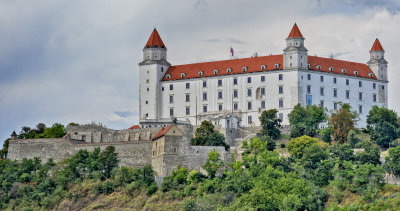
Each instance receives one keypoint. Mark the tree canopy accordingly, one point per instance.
(305, 121)
(205, 135)
(342, 122)
(383, 125)
(270, 123)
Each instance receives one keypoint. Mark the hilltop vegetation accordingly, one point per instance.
(323, 172)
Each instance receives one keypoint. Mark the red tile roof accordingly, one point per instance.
(134, 127)
(255, 65)
(295, 32)
(161, 132)
(154, 40)
(377, 46)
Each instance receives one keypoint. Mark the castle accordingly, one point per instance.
(230, 93)
(233, 93)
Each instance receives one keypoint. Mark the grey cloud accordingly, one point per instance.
(124, 114)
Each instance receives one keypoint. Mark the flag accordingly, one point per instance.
(231, 51)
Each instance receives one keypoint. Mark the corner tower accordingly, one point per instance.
(151, 71)
(377, 62)
(295, 54)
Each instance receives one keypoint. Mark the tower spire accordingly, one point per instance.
(295, 32)
(155, 40)
(377, 46)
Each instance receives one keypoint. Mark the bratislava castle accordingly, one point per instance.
(233, 93)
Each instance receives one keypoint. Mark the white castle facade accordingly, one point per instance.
(233, 93)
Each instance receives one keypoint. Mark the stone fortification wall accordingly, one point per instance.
(133, 154)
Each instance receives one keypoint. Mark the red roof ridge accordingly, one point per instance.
(154, 40)
(225, 60)
(377, 46)
(337, 59)
(161, 132)
(295, 32)
(134, 127)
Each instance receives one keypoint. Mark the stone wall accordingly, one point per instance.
(133, 154)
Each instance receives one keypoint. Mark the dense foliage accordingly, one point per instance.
(383, 126)
(41, 131)
(205, 135)
(305, 121)
(342, 122)
(270, 123)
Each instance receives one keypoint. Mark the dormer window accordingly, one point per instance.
(201, 73)
(331, 69)
(228, 70)
(216, 72)
(343, 70)
(168, 76)
(276, 66)
(308, 66)
(318, 67)
(244, 69)
(263, 67)
(370, 75)
(183, 75)
(355, 72)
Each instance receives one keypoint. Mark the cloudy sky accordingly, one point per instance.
(76, 61)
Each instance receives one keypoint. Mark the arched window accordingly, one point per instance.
(318, 67)
(168, 76)
(331, 69)
(244, 69)
(343, 70)
(201, 73)
(370, 75)
(276, 66)
(216, 72)
(228, 70)
(263, 67)
(355, 72)
(183, 75)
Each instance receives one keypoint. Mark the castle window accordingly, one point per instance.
(374, 97)
(244, 69)
(321, 104)
(308, 66)
(262, 91)
(235, 81)
(205, 108)
(308, 76)
(370, 75)
(201, 73)
(235, 93)
(174, 149)
(347, 94)
(280, 77)
(162, 88)
(276, 66)
(280, 103)
(335, 106)
(249, 120)
(187, 97)
(183, 75)
(204, 83)
(147, 102)
(171, 112)
(147, 81)
(290, 57)
(187, 85)
(334, 92)
(220, 82)
(248, 92)
(343, 70)
(359, 83)
(280, 90)
(309, 89)
(321, 78)
(219, 107)
(360, 96)
(262, 78)
(290, 64)
(347, 82)
(171, 87)
(331, 69)
(383, 87)
(228, 70)
(220, 95)
(360, 109)
(249, 80)
(148, 89)
(321, 91)
(249, 106)
(187, 110)
(171, 99)
(263, 67)
(356, 73)
(281, 116)
(334, 80)
(318, 67)
(263, 104)
(374, 85)
(204, 95)
(162, 69)
(168, 76)
(235, 106)
(216, 72)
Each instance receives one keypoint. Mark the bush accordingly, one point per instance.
(189, 205)
(283, 145)
(326, 134)
(152, 189)
(104, 187)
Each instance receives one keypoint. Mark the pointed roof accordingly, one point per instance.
(14, 133)
(295, 33)
(154, 40)
(377, 46)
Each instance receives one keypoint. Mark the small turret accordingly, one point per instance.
(295, 54)
(377, 62)
(13, 135)
(154, 50)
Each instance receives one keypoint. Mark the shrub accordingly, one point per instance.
(283, 145)
(152, 189)
(189, 205)
(106, 187)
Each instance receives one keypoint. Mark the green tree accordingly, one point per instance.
(344, 152)
(297, 145)
(370, 154)
(392, 161)
(342, 122)
(205, 135)
(270, 123)
(4, 151)
(326, 134)
(382, 125)
(213, 163)
(55, 131)
(305, 121)
(40, 127)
